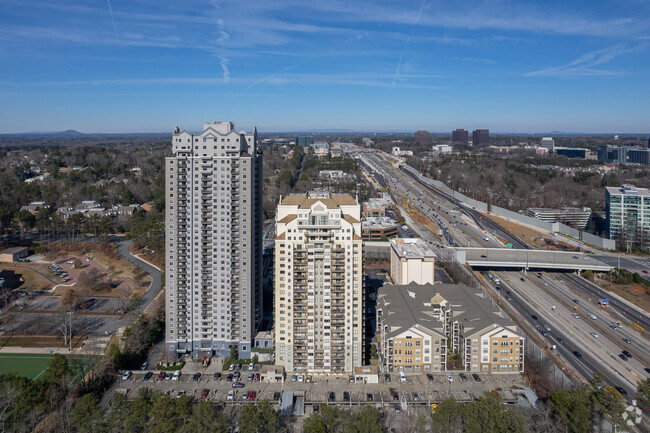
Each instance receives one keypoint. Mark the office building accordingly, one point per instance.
(628, 216)
(459, 136)
(547, 143)
(638, 155)
(574, 152)
(576, 217)
(411, 261)
(213, 222)
(319, 290)
(422, 137)
(304, 141)
(378, 228)
(481, 137)
(424, 327)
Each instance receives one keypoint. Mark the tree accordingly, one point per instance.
(168, 415)
(643, 393)
(127, 197)
(56, 369)
(447, 414)
(86, 414)
(137, 420)
(261, 418)
(89, 279)
(205, 419)
(573, 409)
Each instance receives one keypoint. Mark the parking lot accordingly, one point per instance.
(417, 390)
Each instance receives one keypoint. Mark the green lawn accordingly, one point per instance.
(26, 365)
(33, 366)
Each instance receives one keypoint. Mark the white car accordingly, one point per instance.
(177, 375)
(575, 316)
(251, 366)
(594, 334)
(449, 378)
(231, 395)
(126, 375)
(593, 316)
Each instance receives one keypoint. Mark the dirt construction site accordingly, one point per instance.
(89, 290)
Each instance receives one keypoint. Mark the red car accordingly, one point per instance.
(205, 393)
(257, 376)
(161, 375)
(251, 395)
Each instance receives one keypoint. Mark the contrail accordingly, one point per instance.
(110, 9)
(261, 80)
(401, 57)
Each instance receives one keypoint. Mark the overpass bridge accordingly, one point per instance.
(527, 259)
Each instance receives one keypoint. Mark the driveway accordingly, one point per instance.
(155, 274)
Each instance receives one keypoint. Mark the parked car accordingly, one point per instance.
(346, 396)
(462, 377)
(231, 395)
(238, 384)
(449, 378)
(230, 377)
(416, 397)
(196, 377)
(294, 378)
(331, 396)
(161, 375)
(251, 395)
(205, 392)
(276, 396)
(387, 377)
(127, 374)
(181, 393)
(231, 367)
(430, 377)
(144, 365)
(476, 377)
(217, 376)
(148, 375)
(251, 376)
(369, 397)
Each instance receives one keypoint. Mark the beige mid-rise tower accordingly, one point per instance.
(213, 225)
(319, 290)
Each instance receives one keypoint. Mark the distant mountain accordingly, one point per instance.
(69, 132)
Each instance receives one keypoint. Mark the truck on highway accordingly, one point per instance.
(439, 232)
(603, 302)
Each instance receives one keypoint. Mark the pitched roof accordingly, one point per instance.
(288, 219)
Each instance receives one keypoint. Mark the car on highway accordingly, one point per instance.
(331, 396)
(575, 301)
(594, 334)
(534, 317)
(127, 374)
(575, 315)
(620, 390)
(522, 279)
(577, 354)
(623, 357)
(560, 340)
(626, 353)
(614, 327)
(627, 340)
(148, 375)
(238, 384)
(548, 328)
(592, 316)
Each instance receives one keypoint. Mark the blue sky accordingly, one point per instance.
(147, 66)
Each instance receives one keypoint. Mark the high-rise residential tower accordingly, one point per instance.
(319, 290)
(213, 255)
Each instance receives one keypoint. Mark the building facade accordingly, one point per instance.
(319, 292)
(213, 222)
(411, 261)
(576, 217)
(422, 136)
(459, 136)
(445, 327)
(628, 216)
(481, 137)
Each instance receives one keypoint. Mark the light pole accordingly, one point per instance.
(69, 313)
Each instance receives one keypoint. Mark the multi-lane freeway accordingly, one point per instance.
(587, 345)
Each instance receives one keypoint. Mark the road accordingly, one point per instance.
(155, 274)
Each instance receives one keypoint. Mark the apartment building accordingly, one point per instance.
(411, 261)
(213, 222)
(319, 290)
(628, 216)
(445, 327)
(576, 217)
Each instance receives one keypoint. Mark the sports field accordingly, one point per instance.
(33, 366)
(25, 365)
